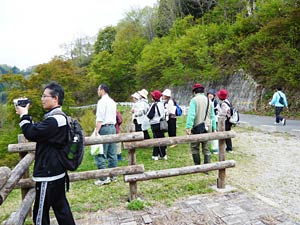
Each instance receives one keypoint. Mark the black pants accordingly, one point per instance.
(172, 127)
(277, 114)
(138, 127)
(52, 194)
(157, 133)
(228, 140)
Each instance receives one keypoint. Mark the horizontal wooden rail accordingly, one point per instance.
(19, 216)
(179, 171)
(16, 174)
(92, 174)
(179, 140)
(112, 138)
(4, 175)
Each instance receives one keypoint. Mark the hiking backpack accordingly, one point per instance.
(178, 111)
(234, 114)
(71, 154)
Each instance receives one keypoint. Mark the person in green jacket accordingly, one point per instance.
(200, 110)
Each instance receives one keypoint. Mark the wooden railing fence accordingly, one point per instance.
(19, 176)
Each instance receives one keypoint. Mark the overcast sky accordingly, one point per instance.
(31, 31)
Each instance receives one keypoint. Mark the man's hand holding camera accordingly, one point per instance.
(22, 106)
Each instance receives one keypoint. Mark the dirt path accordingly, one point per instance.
(272, 171)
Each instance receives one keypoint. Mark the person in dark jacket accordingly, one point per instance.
(48, 173)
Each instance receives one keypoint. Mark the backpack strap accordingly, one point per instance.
(206, 109)
(227, 103)
(157, 109)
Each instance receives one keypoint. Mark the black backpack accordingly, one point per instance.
(71, 154)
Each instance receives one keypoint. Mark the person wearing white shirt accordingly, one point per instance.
(224, 110)
(170, 109)
(105, 125)
(155, 114)
(139, 118)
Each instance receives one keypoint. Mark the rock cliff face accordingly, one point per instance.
(243, 91)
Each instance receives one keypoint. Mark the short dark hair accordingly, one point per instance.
(104, 87)
(199, 90)
(279, 88)
(56, 90)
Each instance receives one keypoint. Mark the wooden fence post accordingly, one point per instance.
(20, 215)
(133, 184)
(221, 172)
(21, 139)
(15, 175)
(4, 175)
(24, 191)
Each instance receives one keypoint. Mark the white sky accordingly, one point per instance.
(31, 31)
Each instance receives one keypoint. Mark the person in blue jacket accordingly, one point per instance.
(279, 101)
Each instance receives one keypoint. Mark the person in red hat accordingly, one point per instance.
(224, 110)
(201, 112)
(155, 114)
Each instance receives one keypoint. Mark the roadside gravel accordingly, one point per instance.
(270, 169)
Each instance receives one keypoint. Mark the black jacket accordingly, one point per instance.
(50, 135)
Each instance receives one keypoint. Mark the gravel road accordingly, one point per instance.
(271, 171)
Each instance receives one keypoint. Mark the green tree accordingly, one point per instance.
(105, 40)
(57, 70)
(117, 69)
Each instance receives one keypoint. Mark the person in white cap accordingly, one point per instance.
(144, 94)
(139, 118)
(170, 109)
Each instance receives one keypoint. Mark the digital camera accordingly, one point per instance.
(21, 102)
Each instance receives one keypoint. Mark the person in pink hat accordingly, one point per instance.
(155, 114)
(224, 110)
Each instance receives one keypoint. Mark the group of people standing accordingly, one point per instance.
(203, 108)
(147, 115)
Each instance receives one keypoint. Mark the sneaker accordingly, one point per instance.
(155, 158)
(283, 121)
(165, 157)
(276, 123)
(228, 150)
(102, 182)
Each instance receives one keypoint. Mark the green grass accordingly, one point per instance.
(136, 204)
(85, 197)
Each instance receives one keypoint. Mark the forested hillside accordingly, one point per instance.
(176, 42)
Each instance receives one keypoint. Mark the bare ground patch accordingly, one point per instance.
(268, 168)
